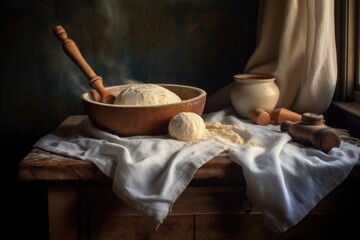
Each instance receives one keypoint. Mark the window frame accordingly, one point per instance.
(347, 24)
(357, 49)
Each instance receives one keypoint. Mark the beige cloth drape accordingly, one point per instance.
(296, 43)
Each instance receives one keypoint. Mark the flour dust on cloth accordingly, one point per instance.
(285, 180)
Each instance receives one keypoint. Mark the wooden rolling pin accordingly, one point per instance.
(260, 116)
(279, 115)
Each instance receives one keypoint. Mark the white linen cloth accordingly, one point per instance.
(296, 44)
(284, 179)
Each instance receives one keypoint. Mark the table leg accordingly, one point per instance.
(63, 211)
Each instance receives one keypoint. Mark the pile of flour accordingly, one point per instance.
(228, 135)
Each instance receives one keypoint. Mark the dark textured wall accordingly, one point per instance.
(199, 43)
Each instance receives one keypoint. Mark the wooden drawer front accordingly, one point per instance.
(104, 216)
(215, 213)
(194, 200)
(230, 226)
(111, 226)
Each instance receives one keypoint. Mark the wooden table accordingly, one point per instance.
(82, 205)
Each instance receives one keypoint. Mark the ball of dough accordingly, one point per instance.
(186, 126)
(146, 95)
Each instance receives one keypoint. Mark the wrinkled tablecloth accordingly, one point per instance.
(285, 180)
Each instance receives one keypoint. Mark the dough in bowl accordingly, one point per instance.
(187, 126)
(146, 94)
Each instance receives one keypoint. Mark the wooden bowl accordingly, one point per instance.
(141, 120)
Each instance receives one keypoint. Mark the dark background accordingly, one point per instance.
(198, 43)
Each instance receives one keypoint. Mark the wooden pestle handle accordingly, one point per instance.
(71, 49)
(311, 131)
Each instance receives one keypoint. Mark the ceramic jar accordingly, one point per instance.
(253, 90)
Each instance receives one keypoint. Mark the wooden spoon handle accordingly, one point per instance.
(71, 49)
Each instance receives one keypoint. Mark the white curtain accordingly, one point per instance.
(295, 43)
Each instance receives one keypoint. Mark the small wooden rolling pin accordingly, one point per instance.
(260, 116)
(279, 115)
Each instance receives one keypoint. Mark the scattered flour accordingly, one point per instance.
(226, 134)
